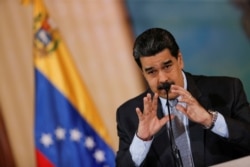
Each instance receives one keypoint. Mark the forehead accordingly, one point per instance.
(157, 60)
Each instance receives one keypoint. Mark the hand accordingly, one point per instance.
(149, 123)
(193, 110)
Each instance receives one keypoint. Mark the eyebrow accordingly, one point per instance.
(167, 62)
(149, 69)
(164, 63)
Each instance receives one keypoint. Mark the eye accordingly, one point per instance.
(151, 71)
(167, 66)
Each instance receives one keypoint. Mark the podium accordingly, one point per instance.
(241, 162)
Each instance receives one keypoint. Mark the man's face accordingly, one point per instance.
(161, 68)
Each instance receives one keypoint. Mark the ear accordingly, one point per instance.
(180, 60)
(142, 72)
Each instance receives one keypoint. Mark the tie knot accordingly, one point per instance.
(173, 103)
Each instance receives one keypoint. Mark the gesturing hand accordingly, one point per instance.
(193, 110)
(149, 123)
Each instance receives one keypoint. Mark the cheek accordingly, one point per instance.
(179, 80)
(152, 83)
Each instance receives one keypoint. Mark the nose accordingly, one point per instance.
(162, 77)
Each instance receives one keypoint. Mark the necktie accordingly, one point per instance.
(181, 136)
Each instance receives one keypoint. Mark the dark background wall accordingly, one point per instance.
(212, 34)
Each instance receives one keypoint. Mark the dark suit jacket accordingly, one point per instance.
(223, 94)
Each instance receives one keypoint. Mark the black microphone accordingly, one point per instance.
(165, 86)
(175, 151)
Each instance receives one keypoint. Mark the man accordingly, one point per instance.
(214, 112)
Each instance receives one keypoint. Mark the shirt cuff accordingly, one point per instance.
(139, 149)
(220, 126)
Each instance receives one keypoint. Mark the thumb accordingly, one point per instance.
(165, 119)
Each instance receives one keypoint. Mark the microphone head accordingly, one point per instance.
(165, 86)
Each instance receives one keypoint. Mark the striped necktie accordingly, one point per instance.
(180, 134)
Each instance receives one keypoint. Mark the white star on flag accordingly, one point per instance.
(75, 135)
(99, 156)
(60, 133)
(46, 140)
(89, 143)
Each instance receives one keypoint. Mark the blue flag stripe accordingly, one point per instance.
(62, 134)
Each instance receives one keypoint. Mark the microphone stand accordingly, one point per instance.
(174, 147)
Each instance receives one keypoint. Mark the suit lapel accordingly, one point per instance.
(160, 115)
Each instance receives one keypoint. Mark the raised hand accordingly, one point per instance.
(149, 123)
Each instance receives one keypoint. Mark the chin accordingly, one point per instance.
(163, 96)
(170, 96)
(162, 93)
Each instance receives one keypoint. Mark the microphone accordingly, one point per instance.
(165, 86)
(175, 151)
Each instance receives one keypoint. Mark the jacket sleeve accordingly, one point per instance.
(239, 119)
(123, 157)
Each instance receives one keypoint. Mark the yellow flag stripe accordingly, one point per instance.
(59, 68)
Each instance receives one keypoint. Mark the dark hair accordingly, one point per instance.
(153, 41)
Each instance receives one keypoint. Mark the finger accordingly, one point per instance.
(190, 98)
(181, 109)
(182, 92)
(149, 97)
(187, 98)
(177, 89)
(155, 103)
(165, 119)
(138, 112)
(146, 104)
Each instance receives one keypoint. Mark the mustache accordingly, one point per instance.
(165, 86)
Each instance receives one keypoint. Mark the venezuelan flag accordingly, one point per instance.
(68, 130)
